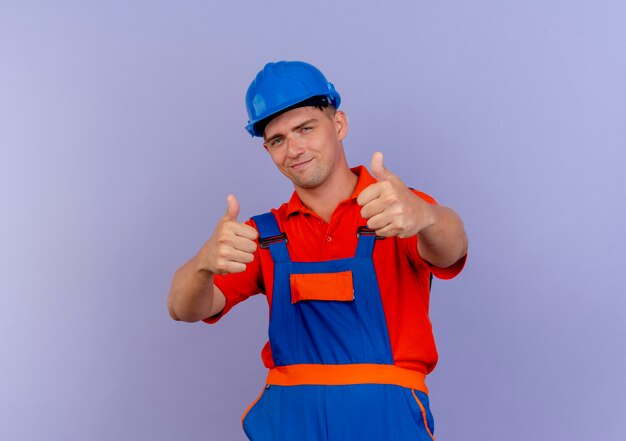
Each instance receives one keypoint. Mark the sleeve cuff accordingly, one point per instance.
(228, 293)
(450, 271)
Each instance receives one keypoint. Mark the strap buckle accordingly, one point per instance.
(267, 241)
(364, 231)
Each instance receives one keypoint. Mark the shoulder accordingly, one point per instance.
(280, 214)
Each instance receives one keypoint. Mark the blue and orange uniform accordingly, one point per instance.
(350, 341)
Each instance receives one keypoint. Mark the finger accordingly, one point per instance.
(245, 231)
(228, 260)
(370, 193)
(379, 221)
(388, 231)
(233, 255)
(233, 207)
(378, 168)
(243, 244)
(231, 268)
(373, 208)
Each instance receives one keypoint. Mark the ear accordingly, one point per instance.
(341, 124)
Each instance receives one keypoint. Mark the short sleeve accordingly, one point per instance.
(238, 287)
(449, 272)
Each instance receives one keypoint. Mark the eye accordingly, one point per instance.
(306, 129)
(276, 142)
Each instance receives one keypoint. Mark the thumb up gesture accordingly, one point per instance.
(390, 207)
(232, 244)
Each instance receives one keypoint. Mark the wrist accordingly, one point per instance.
(428, 214)
(201, 268)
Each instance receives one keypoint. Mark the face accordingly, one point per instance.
(306, 144)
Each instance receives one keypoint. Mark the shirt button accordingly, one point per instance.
(328, 239)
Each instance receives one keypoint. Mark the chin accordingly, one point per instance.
(307, 185)
(313, 182)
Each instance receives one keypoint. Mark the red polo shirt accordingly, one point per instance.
(403, 276)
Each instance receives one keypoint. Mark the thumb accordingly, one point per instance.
(233, 207)
(378, 169)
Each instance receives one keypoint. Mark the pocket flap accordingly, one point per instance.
(322, 286)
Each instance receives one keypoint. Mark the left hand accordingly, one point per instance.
(390, 207)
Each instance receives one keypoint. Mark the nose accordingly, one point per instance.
(295, 146)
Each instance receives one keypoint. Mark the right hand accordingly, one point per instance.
(232, 245)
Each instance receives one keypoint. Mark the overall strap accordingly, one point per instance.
(365, 246)
(271, 237)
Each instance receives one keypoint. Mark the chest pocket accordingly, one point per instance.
(322, 286)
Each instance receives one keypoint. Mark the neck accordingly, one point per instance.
(324, 199)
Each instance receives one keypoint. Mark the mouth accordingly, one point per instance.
(301, 165)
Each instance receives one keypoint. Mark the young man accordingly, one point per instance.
(346, 266)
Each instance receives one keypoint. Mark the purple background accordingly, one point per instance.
(121, 133)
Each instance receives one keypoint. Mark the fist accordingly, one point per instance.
(232, 245)
(390, 207)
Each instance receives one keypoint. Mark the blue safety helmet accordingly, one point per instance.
(283, 85)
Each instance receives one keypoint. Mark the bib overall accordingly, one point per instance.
(334, 377)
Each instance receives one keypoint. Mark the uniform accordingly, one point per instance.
(350, 341)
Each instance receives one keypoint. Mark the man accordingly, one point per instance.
(346, 266)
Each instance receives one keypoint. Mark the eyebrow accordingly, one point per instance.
(299, 126)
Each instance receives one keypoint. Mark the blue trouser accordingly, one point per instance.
(315, 329)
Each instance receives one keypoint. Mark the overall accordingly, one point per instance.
(334, 377)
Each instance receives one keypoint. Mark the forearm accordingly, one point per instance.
(192, 295)
(444, 241)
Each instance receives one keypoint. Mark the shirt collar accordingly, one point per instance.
(364, 180)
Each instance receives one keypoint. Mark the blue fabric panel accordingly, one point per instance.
(330, 332)
(268, 227)
(365, 246)
(363, 412)
(266, 224)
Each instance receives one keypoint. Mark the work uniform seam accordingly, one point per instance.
(424, 416)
